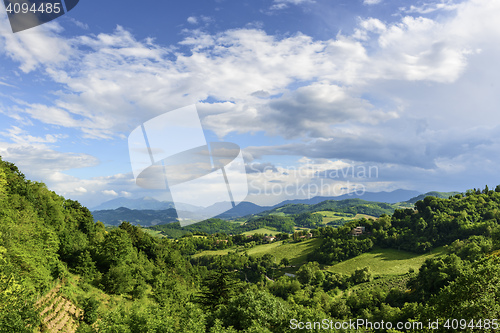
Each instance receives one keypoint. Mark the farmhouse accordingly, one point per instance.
(358, 231)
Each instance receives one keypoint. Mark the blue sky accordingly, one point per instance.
(304, 87)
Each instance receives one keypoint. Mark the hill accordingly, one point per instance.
(60, 270)
(442, 195)
(351, 206)
(242, 209)
(387, 197)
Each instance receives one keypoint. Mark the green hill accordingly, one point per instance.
(350, 206)
(385, 262)
(60, 271)
(442, 195)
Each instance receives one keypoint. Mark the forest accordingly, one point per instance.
(124, 279)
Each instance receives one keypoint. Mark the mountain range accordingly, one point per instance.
(149, 211)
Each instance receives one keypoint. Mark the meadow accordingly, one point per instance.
(385, 262)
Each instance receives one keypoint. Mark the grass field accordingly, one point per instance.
(329, 216)
(278, 214)
(261, 231)
(214, 252)
(154, 233)
(360, 216)
(295, 252)
(385, 262)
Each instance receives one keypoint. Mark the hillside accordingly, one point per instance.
(350, 206)
(60, 271)
(247, 208)
(441, 195)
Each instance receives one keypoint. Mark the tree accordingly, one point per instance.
(285, 262)
(17, 310)
(361, 275)
(90, 306)
(217, 289)
(473, 295)
(255, 311)
(310, 273)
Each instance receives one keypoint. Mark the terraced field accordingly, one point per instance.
(58, 313)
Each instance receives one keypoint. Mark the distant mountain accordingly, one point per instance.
(387, 197)
(146, 203)
(353, 206)
(243, 209)
(149, 211)
(442, 195)
(137, 217)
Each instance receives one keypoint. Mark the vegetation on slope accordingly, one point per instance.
(151, 284)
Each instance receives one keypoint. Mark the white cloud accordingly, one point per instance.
(192, 20)
(79, 24)
(426, 8)
(33, 48)
(21, 136)
(372, 2)
(282, 4)
(102, 99)
(349, 91)
(81, 190)
(110, 193)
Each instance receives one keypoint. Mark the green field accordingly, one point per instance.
(154, 233)
(385, 262)
(329, 216)
(295, 252)
(360, 216)
(261, 231)
(214, 252)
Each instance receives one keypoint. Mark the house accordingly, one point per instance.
(309, 235)
(269, 239)
(358, 231)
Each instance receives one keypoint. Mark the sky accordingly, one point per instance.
(323, 97)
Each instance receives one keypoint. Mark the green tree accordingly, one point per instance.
(285, 262)
(361, 275)
(217, 289)
(255, 311)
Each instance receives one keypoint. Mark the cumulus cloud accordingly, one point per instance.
(102, 100)
(110, 193)
(34, 48)
(360, 96)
